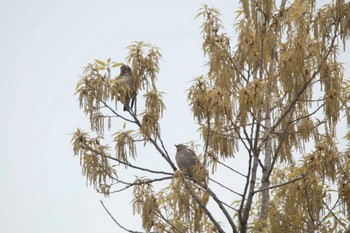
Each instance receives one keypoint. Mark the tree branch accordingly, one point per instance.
(291, 106)
(230, 168)
(116, 222)
(232, 191)
(115, 113)
(333, 214)
(280, 185)
(125, 163)
(167, 221)
(137, 167)
(139, 182)
(208, 213)
(219, 202)
(155, 144)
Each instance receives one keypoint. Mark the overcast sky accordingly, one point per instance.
(43, 47)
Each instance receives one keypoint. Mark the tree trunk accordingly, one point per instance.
(265, 181)
(246, 211)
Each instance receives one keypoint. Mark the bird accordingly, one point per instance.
(126, 75)
(185, 159)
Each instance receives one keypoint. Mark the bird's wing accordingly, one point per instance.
(192, 152)
(192, 159)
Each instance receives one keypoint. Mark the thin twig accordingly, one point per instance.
(223, 186)
(126, 163)
(137, 167)
(139, 182)
(230, 168)
(208, 213)
(220, 204)
(155, 144)
(227, 205)
(293, 103)
(279, 147)
(308, 115)
(334, 215)
(280, 185)
(116, 222)
(162, 143)
(114, 112)
(167, 221)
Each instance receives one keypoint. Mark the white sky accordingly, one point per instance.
(43, 47)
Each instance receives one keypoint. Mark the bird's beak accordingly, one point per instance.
(176, 145)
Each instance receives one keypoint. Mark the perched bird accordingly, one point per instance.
(185, 159)
(126, 74)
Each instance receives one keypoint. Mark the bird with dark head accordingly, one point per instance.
(126, 75)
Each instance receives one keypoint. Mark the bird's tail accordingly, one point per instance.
(126, 106)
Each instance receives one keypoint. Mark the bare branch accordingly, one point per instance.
(308, 115)
(280, 144)
(230, 168)
(227, 215)
(137, 167)
(115, 113)
(126, 163)
(139, 182)
(280, 185)
(227, 205)
(333, 214)
(116, 222)
(164, 153)
(232, 191)
(167, 221)
(202, 205)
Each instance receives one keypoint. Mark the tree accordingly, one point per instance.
(277, 96)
